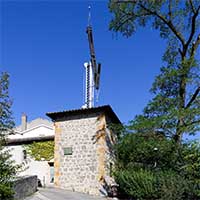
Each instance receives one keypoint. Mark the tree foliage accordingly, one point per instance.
(8, 170)
(175, 108)
(150, 166)
(41, 150)
(7, 167)
(6, 120)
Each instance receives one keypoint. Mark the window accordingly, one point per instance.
(24, 154)
(67, 151)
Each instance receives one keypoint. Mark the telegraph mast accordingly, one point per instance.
(92, 70)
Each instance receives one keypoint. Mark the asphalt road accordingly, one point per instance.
(59, 194)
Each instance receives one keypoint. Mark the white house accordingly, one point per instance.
(28, 132)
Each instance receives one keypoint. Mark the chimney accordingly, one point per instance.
(23, 122)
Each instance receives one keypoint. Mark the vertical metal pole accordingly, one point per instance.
(89, 85)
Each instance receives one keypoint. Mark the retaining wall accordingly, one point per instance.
(25, 186)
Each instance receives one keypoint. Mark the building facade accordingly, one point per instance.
(83, 156)
(28, 132)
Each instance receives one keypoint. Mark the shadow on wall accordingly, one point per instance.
(105, 140)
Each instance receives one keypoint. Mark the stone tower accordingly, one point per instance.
(83, 156)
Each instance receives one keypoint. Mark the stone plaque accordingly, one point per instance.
(68, 151)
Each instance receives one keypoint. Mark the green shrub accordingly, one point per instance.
(151, 166)
(7, 173)
(138, 184)
(6, 192)
(171, 186)
(145, 184)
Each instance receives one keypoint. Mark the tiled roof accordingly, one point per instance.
(67, 113)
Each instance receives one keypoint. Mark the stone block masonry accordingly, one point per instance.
(83, 152)
(76, 171)
(25, 186)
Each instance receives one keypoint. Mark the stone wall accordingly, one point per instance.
(85, 168)
(25, 186)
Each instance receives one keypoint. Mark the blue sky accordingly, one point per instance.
(43, 45)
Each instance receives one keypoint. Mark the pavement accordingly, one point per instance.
(60, 194)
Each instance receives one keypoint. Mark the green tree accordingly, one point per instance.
(175, 108)
(151, 166)
(7, 167)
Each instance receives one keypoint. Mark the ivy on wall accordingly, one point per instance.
(41, 150)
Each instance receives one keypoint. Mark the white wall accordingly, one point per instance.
(16, 152)
(34, 132)
(39, 168)
(29, 166)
